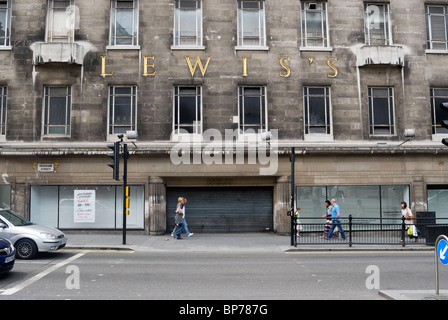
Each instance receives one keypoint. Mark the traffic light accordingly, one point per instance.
(115, 165)
(444, 123)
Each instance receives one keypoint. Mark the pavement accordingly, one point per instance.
(238, 242)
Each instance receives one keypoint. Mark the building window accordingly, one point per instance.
(187, 23)
(124, 23)
(252, 109)
(61, 18)
(57, 110)
(316, 101)
(122, 109)
(381, 111)
(314, 25)
(5, 23)
(436, 28)
(251, 24)
(3, 97)
(187, 110)
(377, 26)
(437, 115)
(374, 204)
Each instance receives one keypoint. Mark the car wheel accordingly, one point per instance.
(25, 249)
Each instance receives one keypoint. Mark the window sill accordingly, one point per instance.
(318, 137)
(432, 51)
(252, 48)
(199, 48)
(439, 136)
(123, 48)
(316, 49)
(5, 48)
(186, 137)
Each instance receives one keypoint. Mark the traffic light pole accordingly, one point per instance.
(293, 160)
(125, 185)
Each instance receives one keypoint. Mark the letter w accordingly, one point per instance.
(198, 62)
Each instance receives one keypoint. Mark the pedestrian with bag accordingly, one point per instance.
(179, 220)
(411, 229)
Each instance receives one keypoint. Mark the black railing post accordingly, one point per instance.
(350, 230)
(403, 228)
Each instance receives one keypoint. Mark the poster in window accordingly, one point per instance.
(84, 206)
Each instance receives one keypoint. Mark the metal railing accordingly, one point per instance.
(390, 231)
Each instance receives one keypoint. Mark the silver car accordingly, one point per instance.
(29, 238)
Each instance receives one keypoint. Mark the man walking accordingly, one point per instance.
(335, 221)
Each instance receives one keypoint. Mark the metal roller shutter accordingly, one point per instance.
(223, 209)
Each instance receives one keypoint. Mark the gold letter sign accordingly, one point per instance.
(103, 68)
(197, 63)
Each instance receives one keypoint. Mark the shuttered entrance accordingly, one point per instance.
(223, 209)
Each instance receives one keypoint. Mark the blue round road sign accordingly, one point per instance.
(442, 251)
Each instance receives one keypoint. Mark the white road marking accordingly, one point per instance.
(39, 276)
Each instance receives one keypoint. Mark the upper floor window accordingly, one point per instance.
(316, 101)
(187, 23)
(438, 95)
(124, 23)
(5, 23)
(61, 21)
(436, 27)
(377, 25)
(3, 97)
(252, 109)
(381, 111)
(57, 110)
(187, 110)
(122, 109)
(314, 25)
(251, 24)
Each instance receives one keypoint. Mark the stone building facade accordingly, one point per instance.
(341, 81)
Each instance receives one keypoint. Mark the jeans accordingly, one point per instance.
(180, 228)
(186, 227)
(334, 224)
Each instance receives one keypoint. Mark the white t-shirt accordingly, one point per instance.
(409, 212)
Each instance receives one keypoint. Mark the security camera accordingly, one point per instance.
(409, 133)
(131, 135)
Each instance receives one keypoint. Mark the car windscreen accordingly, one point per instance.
(14, 218)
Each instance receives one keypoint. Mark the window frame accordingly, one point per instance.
(177, 26)
(113, 29)
(391, 112)
(177, 105)
(328, 126)
(47, 110)
(3, 110)
(261, 37)
(386, 30)
(263, 108)
(435, 123)
(49, 34)
(7, 37)
(429, 34)
(324, 26)
(111, 126)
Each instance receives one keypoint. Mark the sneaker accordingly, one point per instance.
(325, 237)
(179, 238)
(190, 234)
(172, 235)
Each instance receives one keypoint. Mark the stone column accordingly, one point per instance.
(282, 199)
(157, 206)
